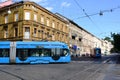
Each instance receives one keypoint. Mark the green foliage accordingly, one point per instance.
(116, 42)
(108, 39)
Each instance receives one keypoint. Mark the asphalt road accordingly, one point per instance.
(82, 68)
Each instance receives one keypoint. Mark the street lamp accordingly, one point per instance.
(9, 11)
(101, 13)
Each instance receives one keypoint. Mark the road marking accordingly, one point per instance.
(106, 61)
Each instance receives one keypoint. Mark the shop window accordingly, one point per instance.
(35, 32)
(16, 32)
(27, 33)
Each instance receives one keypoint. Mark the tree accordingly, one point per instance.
(116, 42)
(108, 39)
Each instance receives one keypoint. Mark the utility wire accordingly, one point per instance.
(83, 10)
(86, 15)
(100, 13)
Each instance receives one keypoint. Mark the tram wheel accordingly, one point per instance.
(56, 57)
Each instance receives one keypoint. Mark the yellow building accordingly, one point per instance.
(28, 21)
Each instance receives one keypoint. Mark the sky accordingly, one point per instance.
(100, 26)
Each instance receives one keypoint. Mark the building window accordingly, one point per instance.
(16, 17)
(53, 24)
(35, 17)
(35, 32)
(58, 25)
(0, 20)
(27, 33)
(5, 32)
(48, 22)
(16, 32)
(6, 19)
(27, 15)
(53, 37)
(73, 37)
(80, 39)
(62, 27)
(42, 19)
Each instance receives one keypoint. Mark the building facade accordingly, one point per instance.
(82, 42)
(28, 21)
(106, 47)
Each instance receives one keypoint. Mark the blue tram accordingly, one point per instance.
(96, 53)
(34, 52)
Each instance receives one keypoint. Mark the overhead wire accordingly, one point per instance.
(99, 13)
(86, 14)
(83, 10)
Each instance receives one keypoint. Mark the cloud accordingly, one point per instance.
(65, 4)
(49, 8)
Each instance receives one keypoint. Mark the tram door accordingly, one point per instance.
(12, 52)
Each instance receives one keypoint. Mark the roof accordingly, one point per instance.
(6, 3)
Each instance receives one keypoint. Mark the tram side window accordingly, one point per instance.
(22, 54)
(56, 51)
(39, 52)
(34, 52)
(53, 52)
(4, 52)
(47, 52)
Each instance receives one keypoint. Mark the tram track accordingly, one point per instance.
(77, 73)
(11, 74)
(96, 72)
(90, 71)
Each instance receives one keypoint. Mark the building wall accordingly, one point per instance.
(87, 40)
(40, 24)
(81, 41)
(8, 23)
(106, 47)
(75, 36)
